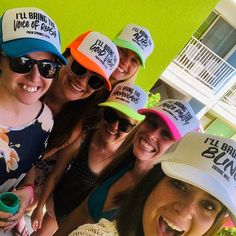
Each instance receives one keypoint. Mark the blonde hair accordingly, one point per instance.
(133, 77)
(217, 223)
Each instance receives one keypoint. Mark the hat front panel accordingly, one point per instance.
(139, 38)
(130, 95)
(208, 162)
(101, 51)
(181, 115)
(29, 23)
(127, 98)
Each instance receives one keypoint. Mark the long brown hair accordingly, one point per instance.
(71, 114)
(65, 122)
(217, 223)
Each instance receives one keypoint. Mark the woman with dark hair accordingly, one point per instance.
(72, 92)
(184, 194)
(72, 100)
(163, 126)
(79, 165)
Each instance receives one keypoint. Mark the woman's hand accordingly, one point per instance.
(26, 197)
(4, 220)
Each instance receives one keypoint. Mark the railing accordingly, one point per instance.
(204, 65)
(230, 96)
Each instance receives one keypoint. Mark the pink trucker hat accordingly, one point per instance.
(178, 116)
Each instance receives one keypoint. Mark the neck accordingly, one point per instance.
(54, 101)
(141, 168)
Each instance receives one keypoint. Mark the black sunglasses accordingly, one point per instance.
(22, 65)
(95, 81)
(111, 116)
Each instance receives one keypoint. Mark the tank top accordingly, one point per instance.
(21, 147)
(76, 183)
(98, 197)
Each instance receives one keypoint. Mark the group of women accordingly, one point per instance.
(77, 136)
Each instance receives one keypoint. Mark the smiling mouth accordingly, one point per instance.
(168, 228)
(111, 132)
(76, 86)
(121, 70)
(146, 146)
(30, 89)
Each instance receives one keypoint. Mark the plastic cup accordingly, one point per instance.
(9, 202)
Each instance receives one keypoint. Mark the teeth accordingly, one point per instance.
(76, 87)
(120, 69)
(111, 132)
(147, 146)
(171, 225)
(29, 89)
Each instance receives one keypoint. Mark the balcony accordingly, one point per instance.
(199, 73)
(204, 65)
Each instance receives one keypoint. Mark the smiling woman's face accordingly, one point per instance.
(176, 208)
(69, 86)
(128, 65)
(151, 140)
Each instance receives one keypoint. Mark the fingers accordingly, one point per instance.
(5, 223)
(10, 225)
(5, 219)
(17, 216)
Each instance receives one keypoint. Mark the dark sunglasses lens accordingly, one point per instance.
(95, 82)
(110, 115)
(78, 69)
(48, 69)
(125, 126)
(20, 64)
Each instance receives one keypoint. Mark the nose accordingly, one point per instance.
(154, 135)
(125, 60)
(115, 125)
(34, 74)
(185, 208)
(83, 81)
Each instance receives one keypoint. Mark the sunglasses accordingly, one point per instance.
(111, 116)
(95, 81)
(22, 65)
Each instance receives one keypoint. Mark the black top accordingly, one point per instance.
(76, 184)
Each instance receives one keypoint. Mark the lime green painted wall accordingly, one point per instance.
(171, 23)
(220, 128)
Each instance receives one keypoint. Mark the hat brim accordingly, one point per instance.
(90, 65)
(123, 109)
(21, 47)
(124, 44)
(201, 180)
(171, 126)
